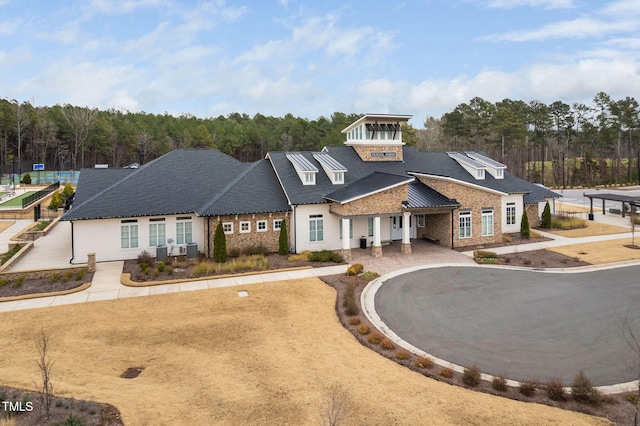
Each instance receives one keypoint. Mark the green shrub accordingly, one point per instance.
(528, 387)
(67, 191)
(67, 276)
(370, 275)
(499, 383)
(402, 354)
(325, 256)
(524, 226)
(555, 389)
(19, 281)
(300, 257)
(546, 216)
(81, 273)
(54, 277)
(632, 398)
(26, 179)
(56, 201)
(387, 344)
(160, 266)
(241, 264)
(283, 239)
(42, 225)
(583, 391)
(8, 255)
(169, 270)
(219, 245)
(471, 376)
(260, 249)
(566, 223)
(3, 282)
(480, 254)
(364, 329)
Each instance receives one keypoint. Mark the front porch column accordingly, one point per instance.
(405, 246)
(376, 250)
(346, 243)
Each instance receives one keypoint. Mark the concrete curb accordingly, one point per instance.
(80, 288)
(367, 303)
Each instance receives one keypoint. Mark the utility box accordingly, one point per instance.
(192, 250)
(161, 253)
(363, 243)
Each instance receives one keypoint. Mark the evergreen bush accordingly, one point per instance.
(283, 241)
(546, 216)
(524, 226)
(26, 179)
(219, 245)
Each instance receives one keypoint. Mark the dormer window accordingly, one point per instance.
(480, 173)
(334, 170)
(494, 168)
(309, 178)
(338, 177)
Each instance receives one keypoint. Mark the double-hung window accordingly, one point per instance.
(465, 224)
(316, 228)
(129, 234)
(487, 222)
(420, 219)
(157, 232)
(511, 213)
(184, 230)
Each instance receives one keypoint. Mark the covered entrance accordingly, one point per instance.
(397, 224)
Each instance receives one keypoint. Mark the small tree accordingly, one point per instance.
(283, 241)
(26, 179)
(56, 201)
(336, 407)
(546, 216)
(524, 226)
(219, 245)
(45, 365)
(67, 191)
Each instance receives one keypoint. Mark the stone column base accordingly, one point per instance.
(405, 248)
(376, 251)
(346, 254)
(91, 262)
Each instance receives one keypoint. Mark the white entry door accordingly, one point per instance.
(396, 227)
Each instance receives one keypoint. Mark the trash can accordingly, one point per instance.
(161, 253)
(363, 243)
(192, 250)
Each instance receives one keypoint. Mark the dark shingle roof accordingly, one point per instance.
(370, 184)
(423, 197)
(438, 164)
(182, 181)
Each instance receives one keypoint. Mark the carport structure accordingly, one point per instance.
(622, 199)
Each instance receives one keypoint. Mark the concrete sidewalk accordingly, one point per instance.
(106, 286)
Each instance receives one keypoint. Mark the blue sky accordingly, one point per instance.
(311, 58)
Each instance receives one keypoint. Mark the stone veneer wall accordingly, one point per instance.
(237, 240)
(364, 151)
(389, 201)
(437, 226)
(532, 214)
(473, 199)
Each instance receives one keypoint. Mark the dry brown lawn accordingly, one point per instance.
(593, 228)
(602, 251)
(211, 357)
(5, 224)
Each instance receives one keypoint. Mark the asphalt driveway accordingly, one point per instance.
(524, 324)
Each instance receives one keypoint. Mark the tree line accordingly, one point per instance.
(552, 144)
(556, 144)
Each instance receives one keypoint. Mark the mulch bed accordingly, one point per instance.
(613, 407)
(13, 287)
(91, 413)
(182, 268)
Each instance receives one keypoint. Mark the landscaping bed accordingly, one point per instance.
(190, 268)
(65, 411)
(617, 408)
(20, 284)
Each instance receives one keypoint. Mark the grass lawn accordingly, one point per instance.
(16, 201)
(211, 357)
(602, 251)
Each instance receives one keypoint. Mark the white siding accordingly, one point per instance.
(102, 237)
(332, 239)
(518, 199)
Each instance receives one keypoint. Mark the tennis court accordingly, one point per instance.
(44, 177)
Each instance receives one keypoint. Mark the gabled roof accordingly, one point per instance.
(368, 185)
(434, 164)
(423, 197)
(183, 181)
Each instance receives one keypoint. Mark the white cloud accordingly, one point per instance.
(577, 28)
(547, 4)
(9, 26)
(125, 6)
(625, 8)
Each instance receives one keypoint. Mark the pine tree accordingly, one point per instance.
(219, 245)
(283, 241)
(524, 226)
(546, 216)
